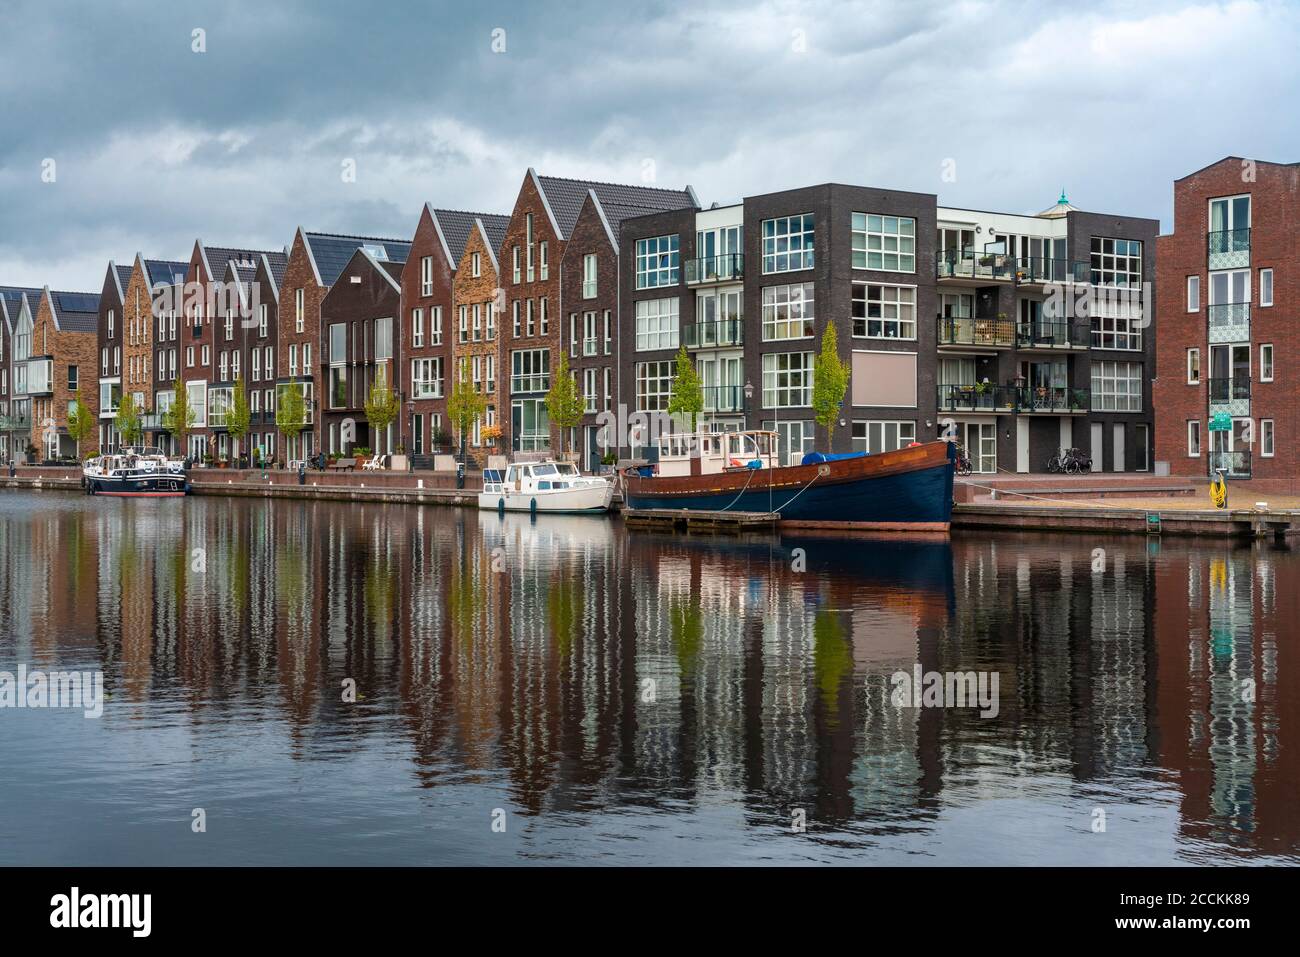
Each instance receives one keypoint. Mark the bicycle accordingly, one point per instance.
(963, 463)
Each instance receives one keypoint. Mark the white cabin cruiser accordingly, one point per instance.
(135, 471)
(548, 486)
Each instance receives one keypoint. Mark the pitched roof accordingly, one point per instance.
(218, 256)
(75, 311)
(564, 197)
(123, 276)
(276, 264)
(330, 252)
(11, 301)
(164, 271)
(455, 225)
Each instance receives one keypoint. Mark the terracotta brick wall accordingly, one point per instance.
(469, 291)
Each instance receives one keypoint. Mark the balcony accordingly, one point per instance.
(590, 346)
(1229, 249)
(1053, 336)
(1229, 322)
(15, 423)
(983, 331)
(1233, 464)
(711, 335)
(727, 268)
(1225, 390)
(724, 398)
(969, 266)
(530, 383)
(40, 376)
(1052, 400)
(1037, 271)
(979, 397)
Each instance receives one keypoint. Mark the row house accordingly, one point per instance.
(959, 323)
(477, 343)
(541, 224)
(1230, 278)
(64, 347)
(153, 299)
(15, 348)
(361, 342)
(109, 338)
(447, 315)
(315, 262)
(258, 341)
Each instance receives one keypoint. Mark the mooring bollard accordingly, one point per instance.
(302, 473)
(460, 475)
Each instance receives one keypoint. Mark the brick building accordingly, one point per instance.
(477, 343)
(258, 341)
(15, 339)
(1228, 274)
(154, 290)
(65, 343)
(109, 339)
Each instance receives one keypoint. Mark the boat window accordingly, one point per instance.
(543, 485)
(544, 470)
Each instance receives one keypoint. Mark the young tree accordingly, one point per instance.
(563, 403)
(180, 415)
(81, 424)
(128, 421)
(464, 406)
(238, 417)
(688, 390)
(830, 381)
(290, 412)
(382, 406)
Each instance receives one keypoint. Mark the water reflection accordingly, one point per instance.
(619, 693)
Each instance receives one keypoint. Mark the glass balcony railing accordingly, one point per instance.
(1053, 335)
(1225, 390)
(1228, 248)
(1231, 463)
(1036, 269)
(706, 335)
(715, 268)
(989, 331)
(967, 264)
(976, 397)
(1052, 399)
(1229, 313)
(724, 398)
(15, 423)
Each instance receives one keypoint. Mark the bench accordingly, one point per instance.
(343, 465)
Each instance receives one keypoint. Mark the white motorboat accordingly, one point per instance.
(143, 472)
(544, 487)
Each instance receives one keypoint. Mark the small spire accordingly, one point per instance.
(1063, 201)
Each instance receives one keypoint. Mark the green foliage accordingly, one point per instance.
(237, 418)
(81, 424)
(464, 405)
(179, 418)
(382, 405)
(830, 380)
(290, 410)
(128, 421)
(564, 404)
(688, 391)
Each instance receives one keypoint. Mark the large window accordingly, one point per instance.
(887, 243)
(589, 276)
(884, 312)
(656, 324)
(883, 436)
(1116, 386)
(656, 262)
(654, 385)
(788, 243)
(1117, 323)
(787, 380)
(788, 311)
(1116, 262)
(530, 370)
(426, 378)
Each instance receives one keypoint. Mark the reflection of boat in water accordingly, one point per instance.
(136, 472)
(906, 489)
(577, 526)
(544, 487)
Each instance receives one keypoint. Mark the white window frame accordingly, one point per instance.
(666, 318)
(1266, 364)
(589, 265)
(662, 378)
(1194, 379)
(899, 427)
(1267, 438)
(658, 261)
(1194, 430)
(1266, 287)
(417, 328)
(778, 307)
(426, 275)
(862, 294)
(773, 391)
(777, 237)
(883, 243)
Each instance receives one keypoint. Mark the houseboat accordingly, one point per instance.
(135, 472)
(909, 489)
(548, 486)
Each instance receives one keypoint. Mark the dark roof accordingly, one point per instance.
(615, 214)
(457, 224)
(393, 269)
(495, 227)
(76, 311)
(331, 252)
(278, 262)
(12, 297)
(218, 256)
(565, 197)
(164, 271)
(123, 277)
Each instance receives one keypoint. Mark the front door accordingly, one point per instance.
(1118, 450)
(417, 434)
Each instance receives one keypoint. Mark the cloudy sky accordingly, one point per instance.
(154, 144)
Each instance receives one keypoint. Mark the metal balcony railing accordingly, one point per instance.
(724, 398)
(1036, 269)
(715, 268)
(990, 331)
(1229, 313)
(1225, 390)
(968, 264)
(1050, 334)
(706, 335)
(976, 397)
(1228, 247)
(1052, 399)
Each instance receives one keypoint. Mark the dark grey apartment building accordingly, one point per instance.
(1016, 335)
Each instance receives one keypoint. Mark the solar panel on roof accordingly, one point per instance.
(78, 301)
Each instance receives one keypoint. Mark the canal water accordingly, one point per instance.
(331, 683)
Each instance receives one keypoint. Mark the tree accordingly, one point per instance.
(688, 391)
(81, 424)
(464, 406)
(237, 418)
(830, 381)
(180, 415)
(128, 421)
(563, 403)
(382, 406)
(290, 412)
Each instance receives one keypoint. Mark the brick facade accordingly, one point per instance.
(74, 355)
(298, 329)
(434, 304)
(471, 292)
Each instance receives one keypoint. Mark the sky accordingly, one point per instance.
(133, 126)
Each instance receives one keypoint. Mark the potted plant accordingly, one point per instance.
(361, 453)
(442, 440)
(491, 435)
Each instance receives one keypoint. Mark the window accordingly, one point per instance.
(464, 323)
(1193, 438)
(417, 328)
(656, 262)
(72, 378)
(788, 311)
(654, 385)
(887, 243)
(1266, 438)
(1116, 386)
(542, 315)
(426, 378)
(530, 370)
(435, 325)
(546, 262)
(514, 251)
(788, 243)
(609, 343)
(261, 321)
(1193, 366)
(1193, 293)
(230, 325)
(589, 276)
(529, 325)
(490, 367)
(590, 342)
(787, 380)
(478, 322)
(589, 389)
(206, 353)
(1266, 362)
(1116, 322)
(876, 437)
(1266, 287)
(189, 357)
(656, 324)
(298, 310)
(514, 311)
(293, 359)
(884, 312)
(476, 265)
(257, 365)
(110, 323)
(384, 339)
(1116, 262)
(528, 244)
(490, 308)
(426, 275)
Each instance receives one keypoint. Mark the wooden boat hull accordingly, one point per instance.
(906, 490)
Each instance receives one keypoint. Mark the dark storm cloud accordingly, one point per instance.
(155, 144)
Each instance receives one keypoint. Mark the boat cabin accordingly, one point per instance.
(535, 476)
(705, 453)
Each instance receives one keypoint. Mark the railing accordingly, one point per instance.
(977, 397)
(968, 264)
(1225, 390)
(590, 346)
(1052, 399)
(976, 331)
(1229, 313)
(724, 398)
(715, 268)
(721, 332)
(530, 383)
(15, 424)
(1037, 269)
(1233, 463)
(1053, 335)
(1228, 247)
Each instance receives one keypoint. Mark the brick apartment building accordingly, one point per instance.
(259, 336)
(64, 347)
(477, 352)
(1229, 272)
(15, 340)
(109, 339)
(154, 289)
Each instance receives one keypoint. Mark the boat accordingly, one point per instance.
(547, 486)
(909, 489)
(138, 472)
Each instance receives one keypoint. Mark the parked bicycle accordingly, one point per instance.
(1070, 461)
(963, 464)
